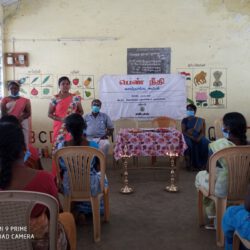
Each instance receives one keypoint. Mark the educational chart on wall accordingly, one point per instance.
(148, 61)
(206, 87)
(44, 86)
(143, 96)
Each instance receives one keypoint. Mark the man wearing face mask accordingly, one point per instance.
(17, 106)
(99, 126)
(193, 129)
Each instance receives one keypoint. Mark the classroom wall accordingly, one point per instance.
(85, 37)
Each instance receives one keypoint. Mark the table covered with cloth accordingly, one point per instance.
(149, 142)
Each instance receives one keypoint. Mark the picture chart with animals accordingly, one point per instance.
(206, 87)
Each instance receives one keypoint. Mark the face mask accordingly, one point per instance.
(16, 95)
(225, 133)
(27, 155)
(190, 113)
(95, 109)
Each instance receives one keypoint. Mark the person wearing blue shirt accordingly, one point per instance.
(237, 218)
(99, 126)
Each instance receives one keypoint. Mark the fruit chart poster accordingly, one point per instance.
(45, 86)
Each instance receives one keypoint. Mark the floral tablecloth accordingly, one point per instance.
(149, 142)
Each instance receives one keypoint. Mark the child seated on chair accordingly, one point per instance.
(237, 218)
(75, 125)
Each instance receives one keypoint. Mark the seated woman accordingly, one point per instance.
(31, 157)
(193, 129)
(237, 218)
(16, 176)
(75, 125)
(234, 131)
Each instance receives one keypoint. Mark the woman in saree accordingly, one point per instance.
(15, 175)
(19, 107)
(234, 131)
(62, 105)
(193, 129)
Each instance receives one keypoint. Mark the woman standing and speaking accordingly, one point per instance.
(62, 105)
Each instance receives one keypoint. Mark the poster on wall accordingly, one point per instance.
(36, 85)
(206, 87)
(44, 86)
(143, 96)
(148, 61)
(82, 85)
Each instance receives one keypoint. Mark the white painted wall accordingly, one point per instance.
(215, 33)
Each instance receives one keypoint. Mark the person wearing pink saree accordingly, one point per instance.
(18, 106)
(62, 105)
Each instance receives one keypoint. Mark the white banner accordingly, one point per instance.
(143, 96)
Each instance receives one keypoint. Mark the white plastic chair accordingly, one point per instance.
(237, 240)
(15, 210)
(238, 164)
(78, 160)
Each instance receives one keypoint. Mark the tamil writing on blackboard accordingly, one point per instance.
(148, 60)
